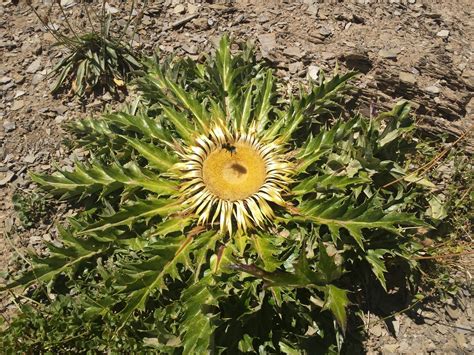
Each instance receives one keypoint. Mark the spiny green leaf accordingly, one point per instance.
(326, 181)
(266, 250)
(87, 180)
(157, 157)
(142, 210)
(140, 280)
(375, 259)
(198, 322)
(336, 301)
(142, 124)
(62, 259)
(339, 213)
(179, 120)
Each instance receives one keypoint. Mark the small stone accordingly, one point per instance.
(17, 105)
(58, 119)
(179, 9)
(453, 313)
(5, 80)
(192, 8)
(19, 93)
(328, 55)
(313, 72)
(267, 41)
(30, 158)
(407, 78)
(443, 34)
(325, 31)
(110, 9)
(263, 18)
(61, 109)
(376, 330)
(312, 9)
(293, 52)
(37, 78)
(295, 67)
(8, 177)
(69, 3)
(389, 348)
(191, 49)
(9, 126)
(34, 66)
(388, 54)
(432, 89)
(461, 340)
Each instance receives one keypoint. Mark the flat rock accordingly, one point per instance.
(443, 34)
(313, 72)
(34, 66)
(293, 52)
(5, 80)
(328, 55)
(190, 49)
(326, 32)
(388, 54)
(453, 313)
(407, 78)
(312, 9)
(17, 105)
(295, 67)
(110, 9)
(30, 158)
(192, 8)
(432, 89)
(179, 9)
(267, 42)
(9, 126)
(8, 177)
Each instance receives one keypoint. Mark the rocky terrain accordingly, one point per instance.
(417, 50)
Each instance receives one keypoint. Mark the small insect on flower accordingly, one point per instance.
(230, 148)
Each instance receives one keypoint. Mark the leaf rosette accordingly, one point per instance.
(213, 200)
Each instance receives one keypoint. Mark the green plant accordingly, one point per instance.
(30, 207)
(97, 60)
(220, 215)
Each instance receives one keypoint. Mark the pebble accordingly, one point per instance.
(19, 93)
(295, 67)
(179, 9)
(58, 119)
(37, 78)
(328, 55)
(8, 177)
(432, 89)
(312, 9)
(5, 80)
(9, 126)
(17, 105)
(293, 52)
(313, 72)
(34, 66)
(326, 32)
(443, 34)
(30, 158)
(388, 54)
(407, 78)
(192, 8)
(267, 42)
(453, 313)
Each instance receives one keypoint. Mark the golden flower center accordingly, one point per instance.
(234, 172)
